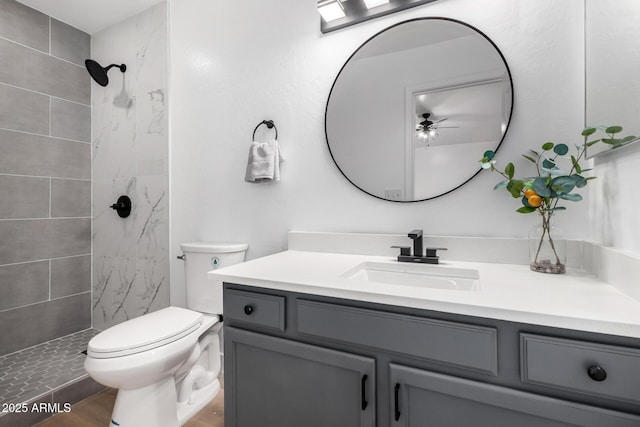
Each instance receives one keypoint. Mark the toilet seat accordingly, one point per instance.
(145, 333)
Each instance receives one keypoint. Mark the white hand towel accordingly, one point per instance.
(263, 164)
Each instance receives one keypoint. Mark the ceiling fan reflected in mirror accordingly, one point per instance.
(427, 129)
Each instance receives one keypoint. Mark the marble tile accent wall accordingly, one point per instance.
(130, 146)
(45, 178)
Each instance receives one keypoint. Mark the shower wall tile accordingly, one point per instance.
(24, 197)
(37, 71)
(70, 120)
(45, 173)
(25, 154)
(24, 25)
(70, 276)
(70, 198)
(130, 146)
(41, 322)
(30, 240)
(23, 110)
(69, 43)
(22, 284)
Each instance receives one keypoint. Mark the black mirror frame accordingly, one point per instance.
(376, 35)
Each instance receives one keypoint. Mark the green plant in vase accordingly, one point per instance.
(544, 192)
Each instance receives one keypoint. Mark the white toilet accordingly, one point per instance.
(165, 364)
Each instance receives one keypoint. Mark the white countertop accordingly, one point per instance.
(575, 300)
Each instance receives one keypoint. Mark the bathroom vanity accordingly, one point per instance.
(308, 339)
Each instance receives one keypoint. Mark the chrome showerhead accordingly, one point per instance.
(99, 73)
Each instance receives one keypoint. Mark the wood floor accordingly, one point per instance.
(95, 411)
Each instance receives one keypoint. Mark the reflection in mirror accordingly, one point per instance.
(412, 107)
(612, 64)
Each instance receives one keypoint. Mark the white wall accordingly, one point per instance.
(614, 206)
(236, 63)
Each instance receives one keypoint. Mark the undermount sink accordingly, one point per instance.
(417, 275)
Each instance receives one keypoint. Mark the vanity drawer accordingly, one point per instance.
(254, 308)
(469, 346)
(565, 364)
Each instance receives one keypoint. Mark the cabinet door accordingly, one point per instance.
(273, 382)
(426, 399)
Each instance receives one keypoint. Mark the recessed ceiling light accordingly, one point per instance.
(375, 3)
(331, 10)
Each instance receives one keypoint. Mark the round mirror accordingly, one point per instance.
(413, 109)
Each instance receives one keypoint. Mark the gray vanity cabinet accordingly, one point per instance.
(421, 399)
(294, 360)
(282, 383)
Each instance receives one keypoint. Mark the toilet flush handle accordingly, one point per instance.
(182, 257)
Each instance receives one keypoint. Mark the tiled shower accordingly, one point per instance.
(45, 178)
(67, 150)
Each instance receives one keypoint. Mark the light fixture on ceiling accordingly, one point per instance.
(337, 14)
(375, 3)
(330, 10)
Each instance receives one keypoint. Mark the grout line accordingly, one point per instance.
(41, 219)
(43, 52)
(45, 302)
(39, 176)
(45, 136)
(46, 94)
(42, 260)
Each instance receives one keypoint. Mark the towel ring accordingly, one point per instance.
(269, 124)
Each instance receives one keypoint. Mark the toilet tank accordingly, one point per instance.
(202, 294)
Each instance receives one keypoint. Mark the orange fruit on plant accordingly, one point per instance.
(528, 193)
(535, 200)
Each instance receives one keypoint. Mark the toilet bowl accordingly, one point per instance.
(166, 364)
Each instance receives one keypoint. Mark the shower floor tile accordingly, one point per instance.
(38, 370)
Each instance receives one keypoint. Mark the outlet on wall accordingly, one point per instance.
(393, 194)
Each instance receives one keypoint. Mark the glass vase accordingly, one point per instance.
(547, 247)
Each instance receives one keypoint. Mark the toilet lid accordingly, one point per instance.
(145, 332)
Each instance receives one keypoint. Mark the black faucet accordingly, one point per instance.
(418, 256)
(416, 236)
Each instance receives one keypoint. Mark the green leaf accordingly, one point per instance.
(579, 180)
(510, 170)
(570, 197)
(628, 138)
(558, 208)
(525, 210)
(561, 149)
(549, 164)
(515, 187)
(588, 131)
(540, 187)
(489, 154)
(613, 129)
(525, 202)
(611, 141)
(500, 185)
(590, 143)
(547, 146)
(531, 159)
(563, 184)
(535, 153)
(552, 172)
(576, 165)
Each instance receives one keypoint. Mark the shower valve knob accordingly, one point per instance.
(122, 206)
